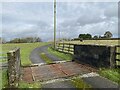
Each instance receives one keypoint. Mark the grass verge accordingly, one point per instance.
(61, 55)
(4, 78)
(111, 74)
(45, 58)
(29, 85)
(79, 83)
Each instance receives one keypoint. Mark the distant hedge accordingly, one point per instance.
(98, 39)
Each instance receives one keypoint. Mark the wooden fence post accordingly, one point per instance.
(69, 48)
(58, 46)
(63, 48)
(112, 56)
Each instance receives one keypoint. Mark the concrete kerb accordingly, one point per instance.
(41, 64)
(92, 74)
(55, 80)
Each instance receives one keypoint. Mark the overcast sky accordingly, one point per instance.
(24, 19)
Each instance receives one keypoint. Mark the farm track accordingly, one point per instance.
(55, 76)
(67, 69)
(35, 55)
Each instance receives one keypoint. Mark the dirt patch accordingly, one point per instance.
(27, 75)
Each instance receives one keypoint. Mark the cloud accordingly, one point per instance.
(93, 18)
(26, 19)
(36, 19)
(111, 10)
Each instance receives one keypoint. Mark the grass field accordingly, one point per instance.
(96, 42)
(25, 49)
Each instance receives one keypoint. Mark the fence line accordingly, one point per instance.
(69, 48)
(3, 55)
(65, 47)
(117, 54)
(14, 64)
(3, 60)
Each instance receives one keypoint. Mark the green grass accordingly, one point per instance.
(29, 85)
(4, 78)
(45, 58)
(111, 74)
(79, 83)
(61, 55)
(25, 49)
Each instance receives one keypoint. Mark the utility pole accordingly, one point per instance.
(54, 24)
